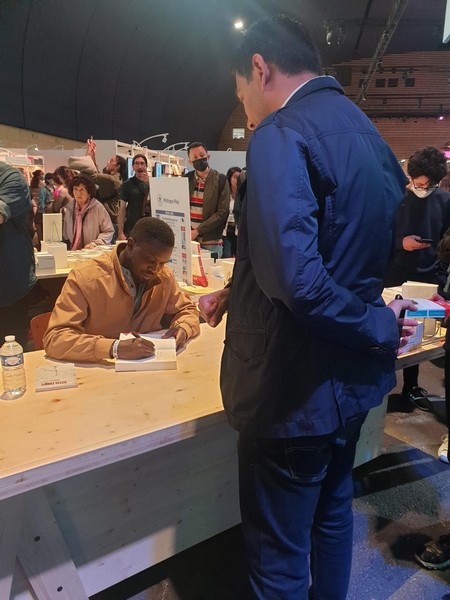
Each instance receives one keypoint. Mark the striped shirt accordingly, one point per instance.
(196, 202)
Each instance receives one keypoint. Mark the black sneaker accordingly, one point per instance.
(435, 554)
(419, 397)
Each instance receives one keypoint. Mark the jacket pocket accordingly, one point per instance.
(246, 343)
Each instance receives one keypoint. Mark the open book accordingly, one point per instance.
(165, 356)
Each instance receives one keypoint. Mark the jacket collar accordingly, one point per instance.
(315, 85)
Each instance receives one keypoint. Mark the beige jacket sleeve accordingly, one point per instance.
(182, 312)
(65, 338)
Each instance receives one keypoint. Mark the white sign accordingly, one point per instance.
(169, 198)
(52, 227)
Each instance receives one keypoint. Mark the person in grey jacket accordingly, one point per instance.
(86, 221)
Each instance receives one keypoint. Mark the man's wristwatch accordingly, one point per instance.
(114, 349)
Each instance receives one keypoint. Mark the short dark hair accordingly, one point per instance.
(150, 228)
(63, 175)
(139, 156)
(193, 145)
(282, 41)
(84, 180)
(428, 161)
(231, 172)
(48, 177)
(122, 164)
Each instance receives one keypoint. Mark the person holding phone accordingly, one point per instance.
(422, 218)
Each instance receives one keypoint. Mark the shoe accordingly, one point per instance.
(435, 554)
(443, 449)
(419, 397)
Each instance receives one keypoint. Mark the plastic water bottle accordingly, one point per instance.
(13, 370)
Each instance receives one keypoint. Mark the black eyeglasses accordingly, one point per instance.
(424, 188)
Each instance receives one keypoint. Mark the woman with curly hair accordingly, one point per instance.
(86, 222)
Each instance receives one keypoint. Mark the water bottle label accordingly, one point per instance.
(12, 361)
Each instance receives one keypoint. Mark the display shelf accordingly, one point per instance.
(26, 163)
(172, 164)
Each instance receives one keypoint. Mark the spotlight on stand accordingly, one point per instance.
(31, 148)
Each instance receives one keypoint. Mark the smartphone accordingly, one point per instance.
(425, 241)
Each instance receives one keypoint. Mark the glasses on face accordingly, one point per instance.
(424, 188)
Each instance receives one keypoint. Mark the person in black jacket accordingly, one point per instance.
(422, 218)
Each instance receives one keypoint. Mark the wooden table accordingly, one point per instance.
(102, 481)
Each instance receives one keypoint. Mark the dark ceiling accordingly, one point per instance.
(128, 69)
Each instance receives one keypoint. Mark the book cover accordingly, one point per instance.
(426, 308)
(55, 377)
(165, 357)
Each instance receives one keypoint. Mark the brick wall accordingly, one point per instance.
(404, 99)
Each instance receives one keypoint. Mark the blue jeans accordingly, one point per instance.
(296, 506)
(218, 248)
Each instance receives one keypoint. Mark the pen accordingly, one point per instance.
(402, 314)
(136, 335)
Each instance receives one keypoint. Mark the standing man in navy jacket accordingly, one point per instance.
(310, 345)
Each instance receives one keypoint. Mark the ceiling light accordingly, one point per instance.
(239, 24)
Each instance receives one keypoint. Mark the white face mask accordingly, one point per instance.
(422, 193)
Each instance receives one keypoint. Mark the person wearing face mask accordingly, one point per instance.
(209, 194)
(422, 218)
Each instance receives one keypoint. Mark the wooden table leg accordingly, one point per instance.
(11, 511)
(43, 553)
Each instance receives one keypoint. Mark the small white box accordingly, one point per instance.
(417, 289)
(45, 262)
(415, 340)
(59, 251)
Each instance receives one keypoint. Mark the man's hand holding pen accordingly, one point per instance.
(136, 348)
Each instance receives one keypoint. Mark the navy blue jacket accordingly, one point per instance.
(309, 341)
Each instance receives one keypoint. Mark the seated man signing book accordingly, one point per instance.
(127, 290)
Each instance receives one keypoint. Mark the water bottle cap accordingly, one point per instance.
(10, 338)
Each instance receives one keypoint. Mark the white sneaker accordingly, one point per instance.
(443, 449)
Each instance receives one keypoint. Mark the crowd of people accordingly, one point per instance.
(321, 219)
(114, 200)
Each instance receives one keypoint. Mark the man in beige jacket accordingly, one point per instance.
(128, 290)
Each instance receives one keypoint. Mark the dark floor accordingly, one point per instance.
(402, 499)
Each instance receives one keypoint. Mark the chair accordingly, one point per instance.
(38, 326)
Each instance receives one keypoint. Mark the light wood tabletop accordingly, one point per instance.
(46, 436)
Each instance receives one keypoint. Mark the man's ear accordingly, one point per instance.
(261, 70)
(131, 242)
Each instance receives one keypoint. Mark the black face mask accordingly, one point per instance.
(201, 164)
